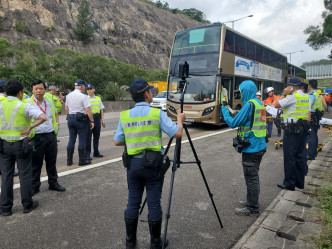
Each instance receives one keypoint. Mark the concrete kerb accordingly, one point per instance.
(258, 224)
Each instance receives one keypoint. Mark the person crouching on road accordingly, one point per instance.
(250, 140)
(140, 130)
(98, 118)
(15, 146)
(45, 141)
(296, 106)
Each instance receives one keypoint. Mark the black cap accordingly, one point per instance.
(139, 85)
(79, 82)
(89, 86)
(3, 83)
(295, 82)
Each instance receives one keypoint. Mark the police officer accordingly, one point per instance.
(15, 125)
(98, 117)
(271, 100)
(79, 117)
(140, 130)
(316, 109)
(251, 121)
(3, 96)
(51, 94)
(45, 142)
(295, 104)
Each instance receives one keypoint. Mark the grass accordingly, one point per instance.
(324, 196)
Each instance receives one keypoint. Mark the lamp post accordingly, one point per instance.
(238, 20)
(290, 55)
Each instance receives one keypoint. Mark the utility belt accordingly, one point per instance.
(81, 117)
(151, 159)
(96, 115)
(301, 126)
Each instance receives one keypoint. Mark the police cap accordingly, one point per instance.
(139, 85)
(89, 86)
(79, 82)
(3, 83)
(295, 82)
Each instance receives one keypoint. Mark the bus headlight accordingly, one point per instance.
(208, 110)
(172, 109)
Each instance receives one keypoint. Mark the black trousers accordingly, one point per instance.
(250, 163)
(46, 147)
(295, 160)
(96, 135)
(12, 153)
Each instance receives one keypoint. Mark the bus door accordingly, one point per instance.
(228, 84)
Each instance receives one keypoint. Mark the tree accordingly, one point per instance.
(194, 14)
(84, 29)
(321, 37)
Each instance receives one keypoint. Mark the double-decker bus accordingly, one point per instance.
(219, 55)
(294, 71)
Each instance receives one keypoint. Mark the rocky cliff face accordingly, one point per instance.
(136, 32)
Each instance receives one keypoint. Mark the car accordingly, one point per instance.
(160, 101)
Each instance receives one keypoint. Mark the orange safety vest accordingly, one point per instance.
(270, 101)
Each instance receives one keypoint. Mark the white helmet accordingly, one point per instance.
(259, 93)
(269, 89)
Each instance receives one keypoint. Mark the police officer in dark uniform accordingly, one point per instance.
(79, 116)
(140, 130)
(295, 105)
(16, 147)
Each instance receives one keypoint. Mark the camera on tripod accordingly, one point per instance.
(183, 74)
(239, 143)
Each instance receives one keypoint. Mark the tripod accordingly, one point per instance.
(176, 164)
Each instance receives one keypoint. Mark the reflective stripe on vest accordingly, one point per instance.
(302, 107)
(259, 124)
(95, 104)
(222, 97)
(13, 111)
(55, 126)
(318, 104)
(141, 133)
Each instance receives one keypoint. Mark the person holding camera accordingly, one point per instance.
(16, 146)
(139, 129)
(250, 140)
(296, 107)
(79, 117)
(317, 111)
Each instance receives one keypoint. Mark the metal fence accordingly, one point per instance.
(319, 72)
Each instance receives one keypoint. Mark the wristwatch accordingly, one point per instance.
(92, 121)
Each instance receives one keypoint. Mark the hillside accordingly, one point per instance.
(135, 32)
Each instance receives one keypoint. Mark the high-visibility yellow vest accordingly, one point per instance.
(318, 104)
(56, 102)
(24, 99)
(95, 104)
(302, 108)
(142, 133)
(222, 97)
(55, 125)
(12, 119)
(3, 98)
(259, 124)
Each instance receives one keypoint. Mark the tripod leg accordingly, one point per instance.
(176, 164)
(202, 173)
(165, 153)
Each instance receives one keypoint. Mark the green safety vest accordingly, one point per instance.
(95, 104)
(3, 98)
(222, 97)
(302, 108)
(12, 120)
(24, 99)
(56, 102)
(142, 133)
(55, 125)
(318, 104)
(259, 124)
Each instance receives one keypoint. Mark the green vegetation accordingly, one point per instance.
(20, 26)
(321, 37)
(325, 83)
(27, 61)
(192, 12)
(50, 28)
(84, 29)
(324, 196)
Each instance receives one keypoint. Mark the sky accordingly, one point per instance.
(278, 24)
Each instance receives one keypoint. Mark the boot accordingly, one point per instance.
(131, 229)
(155, 232)
(70, 153)
(82, 160)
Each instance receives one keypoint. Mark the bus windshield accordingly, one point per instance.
(194, 41)
(200, 89)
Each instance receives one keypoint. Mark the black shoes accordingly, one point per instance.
(56, 187)
(34, 205)
(131, 230)
(70, 153)
(282, 186)
(246, 212)
(82, 160)
(6, 213)
(99, 155)
(243, 203)
(310, 158)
